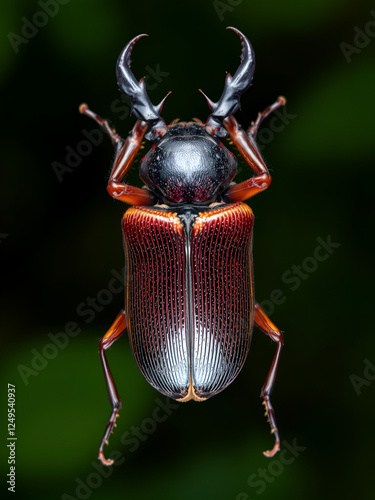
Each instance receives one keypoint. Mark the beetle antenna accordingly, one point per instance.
(234, 87)
(142, 107)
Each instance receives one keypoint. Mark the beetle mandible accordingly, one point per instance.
(189, 303)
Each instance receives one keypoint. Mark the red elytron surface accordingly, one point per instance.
(155, 304)
(222, 296)
(189, 318)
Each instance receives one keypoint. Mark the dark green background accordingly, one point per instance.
(64, 240)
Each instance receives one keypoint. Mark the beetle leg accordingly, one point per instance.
(266, 325)
(116, 330)
(247, 147)
(253, 129)
(126, 150)
(84, 109)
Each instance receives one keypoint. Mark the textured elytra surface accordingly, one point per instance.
(155, 297)
(222, 298)
(189, 301)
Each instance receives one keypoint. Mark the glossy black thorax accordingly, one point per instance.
(188, 165)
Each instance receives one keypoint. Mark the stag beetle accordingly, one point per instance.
(189, 304)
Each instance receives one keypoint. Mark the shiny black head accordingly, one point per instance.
(188, 165)
(187, 162)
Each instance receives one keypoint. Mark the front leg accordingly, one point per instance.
(248, 149)
(253, 129)
(245, 143)
(126, 151)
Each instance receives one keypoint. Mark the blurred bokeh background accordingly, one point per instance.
(61, 249)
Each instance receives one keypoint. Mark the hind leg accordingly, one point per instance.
(114, 333)
(267, 327)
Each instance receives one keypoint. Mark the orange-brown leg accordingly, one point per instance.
(266, 325)
(253, 129)
(249, 151)
(126, 151)
(246, 145)
(116, 330)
